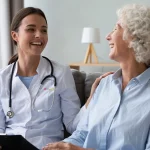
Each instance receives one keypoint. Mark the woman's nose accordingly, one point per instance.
(37, 34)
(108, 37)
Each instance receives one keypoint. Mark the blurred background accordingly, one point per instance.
(66, 20)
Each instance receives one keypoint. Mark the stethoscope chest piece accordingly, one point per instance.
(10, 114)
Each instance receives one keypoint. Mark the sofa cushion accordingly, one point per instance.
(83, 82)
(89, 80)
(79, 78)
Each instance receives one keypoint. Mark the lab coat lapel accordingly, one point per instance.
(17, 84)
(41, 74)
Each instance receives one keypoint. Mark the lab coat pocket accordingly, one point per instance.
(45, 99)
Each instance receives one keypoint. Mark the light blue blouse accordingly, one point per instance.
(117, 120)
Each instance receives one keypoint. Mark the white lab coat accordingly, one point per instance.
(39, 128)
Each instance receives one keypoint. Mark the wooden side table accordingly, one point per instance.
(77, 65)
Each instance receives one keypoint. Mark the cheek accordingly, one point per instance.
(24, 42)
(119, 42)
(24, 37)
(118, 37)
(123, 44)
(46, 39)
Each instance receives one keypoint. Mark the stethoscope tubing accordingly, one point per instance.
(10, 113)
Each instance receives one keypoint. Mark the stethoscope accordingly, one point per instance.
(10, 113)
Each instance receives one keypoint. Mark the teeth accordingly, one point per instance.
(111, 45)
(36, 43)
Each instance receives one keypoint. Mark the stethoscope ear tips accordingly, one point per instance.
(10, 114)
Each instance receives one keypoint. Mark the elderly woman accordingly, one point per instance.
(118, 116)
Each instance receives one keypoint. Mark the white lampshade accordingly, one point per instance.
(90, 35)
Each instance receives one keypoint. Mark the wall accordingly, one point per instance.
(66, 19)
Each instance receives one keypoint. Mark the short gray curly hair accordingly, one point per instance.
(135, 20)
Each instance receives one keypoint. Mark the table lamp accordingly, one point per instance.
(90, 36)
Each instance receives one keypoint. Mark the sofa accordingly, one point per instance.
(83, 82)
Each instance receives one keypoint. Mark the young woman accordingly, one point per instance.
(38, 94)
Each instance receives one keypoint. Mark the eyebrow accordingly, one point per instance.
(32, 25)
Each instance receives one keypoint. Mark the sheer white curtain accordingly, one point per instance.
(5, 40)
(0, 47)
(8, 9)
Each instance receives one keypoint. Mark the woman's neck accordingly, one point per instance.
(27, 66)
(131, 70)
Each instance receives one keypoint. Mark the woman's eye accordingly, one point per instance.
(32, 30)
(44, 31)
(114, 29)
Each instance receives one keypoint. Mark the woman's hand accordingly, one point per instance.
(94, 86)
(0, 147)
(63, 146)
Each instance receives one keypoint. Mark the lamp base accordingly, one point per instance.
(90, 54)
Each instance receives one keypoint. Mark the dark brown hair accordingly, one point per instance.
(16, 22)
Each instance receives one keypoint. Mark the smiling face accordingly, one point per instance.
(32, 35)
(119, 50)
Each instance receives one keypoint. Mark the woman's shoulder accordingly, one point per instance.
(5, 70)
(59, 67)
(107, 79)
(58, 64)
(5, 73)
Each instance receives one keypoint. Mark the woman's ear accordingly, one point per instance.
(14, 36)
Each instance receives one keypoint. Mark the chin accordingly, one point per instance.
(111, 56)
